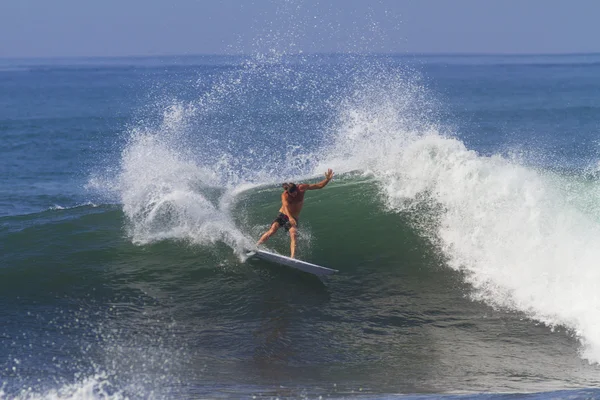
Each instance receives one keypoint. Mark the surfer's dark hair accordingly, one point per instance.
(290, 187)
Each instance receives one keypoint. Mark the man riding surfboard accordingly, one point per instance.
(292, 200)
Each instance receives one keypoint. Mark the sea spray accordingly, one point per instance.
(522, 242)
(177, 179)
(165, 196)
(511, 228)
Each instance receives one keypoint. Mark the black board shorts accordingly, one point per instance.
(284, 220)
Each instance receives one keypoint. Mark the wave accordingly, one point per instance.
(524, 237)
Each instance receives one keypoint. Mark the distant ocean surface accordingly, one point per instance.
(464, 219)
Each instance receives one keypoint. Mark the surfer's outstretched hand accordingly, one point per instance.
(329, 174)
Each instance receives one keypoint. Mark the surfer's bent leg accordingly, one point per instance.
(293, 235)
(268, 233)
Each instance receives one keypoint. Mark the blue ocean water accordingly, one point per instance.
(463, 219)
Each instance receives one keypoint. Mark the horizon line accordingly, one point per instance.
(381, 54)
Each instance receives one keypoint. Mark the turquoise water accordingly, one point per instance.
(463, 219)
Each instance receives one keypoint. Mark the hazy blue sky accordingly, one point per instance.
(30, 28)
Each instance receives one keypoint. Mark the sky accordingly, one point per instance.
(75, 28)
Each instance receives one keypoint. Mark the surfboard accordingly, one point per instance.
(292, 262)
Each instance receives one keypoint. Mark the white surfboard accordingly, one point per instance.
(292, 262)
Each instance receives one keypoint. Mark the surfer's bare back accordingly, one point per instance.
(292, 200)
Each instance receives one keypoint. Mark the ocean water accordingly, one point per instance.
(464, 219)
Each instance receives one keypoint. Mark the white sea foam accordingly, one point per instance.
(93, 388)
(527, 241)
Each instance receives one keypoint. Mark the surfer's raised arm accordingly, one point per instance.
(320, 185)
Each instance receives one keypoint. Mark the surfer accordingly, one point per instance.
(292, 200)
